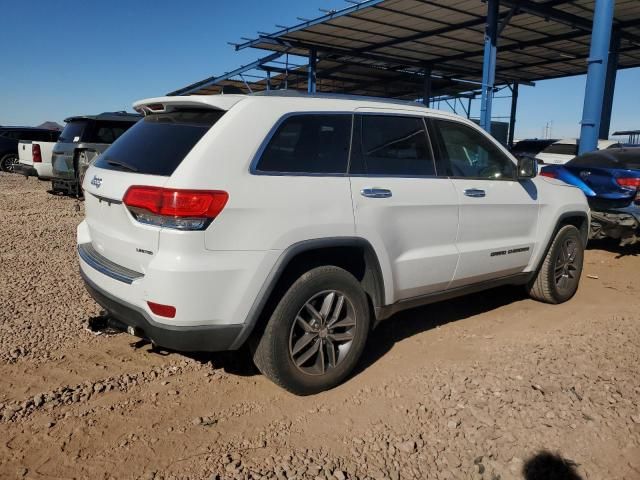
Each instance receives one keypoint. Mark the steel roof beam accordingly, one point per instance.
(213, 80)
(569, 19)
(390, 60)
(519, 45)
(309, 23)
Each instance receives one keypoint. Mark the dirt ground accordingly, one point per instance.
(491, 386)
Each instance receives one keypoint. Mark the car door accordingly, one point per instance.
(408, 214)
(498, 213)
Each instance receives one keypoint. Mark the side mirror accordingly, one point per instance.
(527, 167)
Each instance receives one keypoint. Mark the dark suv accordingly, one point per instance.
(84, 138)
(9, 138)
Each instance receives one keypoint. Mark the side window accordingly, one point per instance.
(465, 152)
(313, 143)
(390, 145)
(107, 132)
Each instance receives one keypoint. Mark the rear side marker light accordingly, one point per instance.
(548, 174)
(630, 182)
(171, 208)
(36, 155)
(162, 310)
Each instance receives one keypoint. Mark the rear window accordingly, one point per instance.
(562, 149)
(158, 143)
(309, 143)
(73, 131)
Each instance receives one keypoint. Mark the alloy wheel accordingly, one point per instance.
(565, 270)
(322, 333)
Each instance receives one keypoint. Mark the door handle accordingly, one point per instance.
(475, 192)
(375, 192)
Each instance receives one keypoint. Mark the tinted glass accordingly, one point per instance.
(105, 132)
(38, 136)
(11, 134)
(309, 144)
(158, 143)
(391, 145)
(465, 152)
(562, 149)
(531, 146)
(72, 131)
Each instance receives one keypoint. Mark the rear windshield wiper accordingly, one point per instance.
(126, 166)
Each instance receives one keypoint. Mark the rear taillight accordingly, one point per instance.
(629, 182)
(36, 155)
(170, 208)
(162, 310)
(547, 173)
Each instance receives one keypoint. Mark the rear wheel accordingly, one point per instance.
(558, 278)
(8, 162)
(316, 333)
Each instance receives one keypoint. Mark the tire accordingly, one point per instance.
(8, 161)
(559, 276)
(293, 331)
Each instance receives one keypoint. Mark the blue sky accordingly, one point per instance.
(68, 57)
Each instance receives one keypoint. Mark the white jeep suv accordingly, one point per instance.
(294, 223)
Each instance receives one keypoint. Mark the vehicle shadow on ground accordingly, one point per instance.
(549, 466)
(613, 246)
(398, 327)
(417, 320)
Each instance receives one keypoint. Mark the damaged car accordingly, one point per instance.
(610, 179)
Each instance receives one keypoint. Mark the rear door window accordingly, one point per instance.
(158, 143)
(73, 131)
(309, 143)
(391, 145)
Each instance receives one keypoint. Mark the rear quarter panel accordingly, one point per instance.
(264, 212)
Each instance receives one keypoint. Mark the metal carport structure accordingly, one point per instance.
(448, 48)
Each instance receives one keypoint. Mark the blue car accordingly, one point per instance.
(610, 179)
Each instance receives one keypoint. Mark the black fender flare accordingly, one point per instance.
(373, 281)
(561, 221)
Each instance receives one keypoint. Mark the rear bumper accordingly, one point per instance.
(61, 185)
(210, 338)
(26, 170)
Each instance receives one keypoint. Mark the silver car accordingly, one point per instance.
(84, 138)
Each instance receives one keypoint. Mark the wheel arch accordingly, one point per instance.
(354, 254)
(579, 219)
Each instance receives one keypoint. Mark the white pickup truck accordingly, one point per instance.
(34, 159)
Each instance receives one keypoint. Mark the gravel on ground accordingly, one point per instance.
(490, 386)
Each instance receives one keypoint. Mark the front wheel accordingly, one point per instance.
(558, 278)
(316, 333)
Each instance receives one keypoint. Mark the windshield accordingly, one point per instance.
(158, 143)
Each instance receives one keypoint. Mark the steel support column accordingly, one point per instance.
(268, 80)
(512, 116)
(426, 92)
(609, 86)
(311, 71)
(489, 63)
(596, 75)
